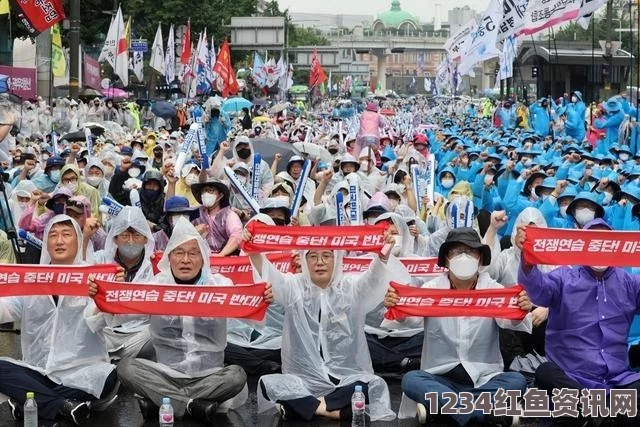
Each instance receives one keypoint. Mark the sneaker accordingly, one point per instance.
(148, 409)
(282, 411)
(423, 414)
(78, 412)
(16, 409)
(201, 409)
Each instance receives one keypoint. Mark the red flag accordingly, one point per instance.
(40, 15)
(227, 82)
(317, 75)
(498, 303)
(186, 45)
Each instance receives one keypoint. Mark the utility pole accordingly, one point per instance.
(608, 54)
(74, 61)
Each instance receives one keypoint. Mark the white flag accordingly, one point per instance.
(157, 52)
(512, 18)
(170, 58)
(586, 11)
(482, 45)
(109, 49)
(456, 44)
(507, 57)
(121, 68)
(540, 15)
(137, 65)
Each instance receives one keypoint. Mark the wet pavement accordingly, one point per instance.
(125, 412)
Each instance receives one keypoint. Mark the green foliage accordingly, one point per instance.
(574, 32)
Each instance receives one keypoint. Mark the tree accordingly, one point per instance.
(574, 32)
(295, 35)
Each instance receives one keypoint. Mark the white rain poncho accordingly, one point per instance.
(56, 340)
(505, 268)
(240, 332)
(23, 189)
(117, 325)
(324, 336)
(266, 177)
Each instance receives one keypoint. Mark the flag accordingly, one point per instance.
(412, 84)
(512, 18)
(58, 61)
(271, 70)
(108, 53)
(456, 44)
(40, 15)
(226, 83)
(586, 11)
(4, 7)
(329, 85)
(482, 45)
(170, 58)
(317, 75)
(507, 56)
(186, 45)
(258, 72)
(540, 16)
(122, 55)
(157, 52)
(137, 65)
(203, 84)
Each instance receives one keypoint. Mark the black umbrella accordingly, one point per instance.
(268, 147)
(260, 102)
(74, 136)
(164, 109)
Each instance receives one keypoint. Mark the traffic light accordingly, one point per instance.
(534, 71)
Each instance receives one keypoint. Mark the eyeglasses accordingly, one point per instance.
(326, 257)
(73, 180)
(180, 254)
(459, 251)
(130, 234)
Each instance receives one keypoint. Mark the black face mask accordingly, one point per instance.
(336, 169)
(279, 221)
(333, 150)
(244, 153)
(58, 209)
(158, 154)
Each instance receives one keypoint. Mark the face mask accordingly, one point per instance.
(599, 268)
(574, 99)
(464, 266)
(72, 186)
(364, 166)
(191, 179)
(488, 179)
(393, 204)
(45, 157)
(583, 216)
(563, 211)
(130, 250)
(607, 198)
(55, 176)
(23, 205)
(209, 200)
(284, 199)
(108, 172)
(447, 183)
(244, 153)
(150, 194)
(528, 162)
(279, 221)
(157, 154)
(624, 156)
(333, 151)
(94, 181)
(533, 194)
(175, 218)
(58, 209)
(397, 248)
(134, 172)
(336, 169)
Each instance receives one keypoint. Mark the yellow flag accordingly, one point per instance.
(4, 7)
(58, 62)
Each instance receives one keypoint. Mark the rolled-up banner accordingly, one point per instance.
(497, 303)
(246, 302)
(54, 142)
(185, 150)
(30, 238)
(65, 280)
(89, 138)
(416, 181)
(233, 179)
(355, 206)
(113, 208)
(340, 216)
(302, 183)
(202, 145)
(268, 238)
(417, 267)
(255, 175)
(134, 198)
(555, 246)
(430, 177)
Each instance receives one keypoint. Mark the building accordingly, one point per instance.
(459, 17)
(326, 23)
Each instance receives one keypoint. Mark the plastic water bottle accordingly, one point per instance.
(358, 404)
(166, 413)
(30, 411)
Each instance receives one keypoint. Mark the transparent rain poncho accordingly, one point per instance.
(323, 333)
(56, 340)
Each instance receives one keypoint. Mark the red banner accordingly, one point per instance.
(91, 73)
(40, 15)
(22, 81)
(555, 246)
(245, 302)
(269, 238)
(415, 266)
(498, 303)
(65, 280)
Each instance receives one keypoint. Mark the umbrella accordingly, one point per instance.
(115, 93)
(268, 147)
(88, 92)
(74, 136)
(387, 112)
(277, 108)
(380, 97)
(164, 109)
(96, 128)
(236, 104)
(313, 151)
(260, 102)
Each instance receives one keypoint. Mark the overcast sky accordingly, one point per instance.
(423, 8)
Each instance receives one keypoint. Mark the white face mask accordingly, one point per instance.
(533, 194)
(624, 156)
(108, 172)
(175, 218)
(364, 166)
(285, 199)
(464, 266)
(191, 179)
(607, 198)
(574, 99)
(447, 183)
(488, 179)
(209, 200)
(563, 211)
(397, 247)
(583, 216)
(134, 172)
(23, 205)
(94, 181)
(72, 186)
(599, 268)
(393, 204)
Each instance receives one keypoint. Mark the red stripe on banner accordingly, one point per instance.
(498, 303)
(554, 246)
(269, 238)
(40, 15)
(246, 302)
(63, 280)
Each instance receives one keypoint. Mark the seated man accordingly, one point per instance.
(324, 347)
(462, 354)
(189, 351)
(64, 362)
(129, 244)
(590, 311)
